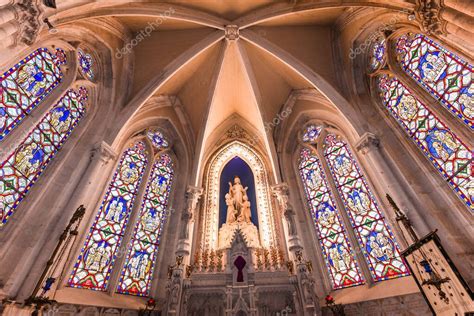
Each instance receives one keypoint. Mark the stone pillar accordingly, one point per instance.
(281, 193)
(89, 194)
(368, 146)
(304, 286)
(193, 195)
(175, 289)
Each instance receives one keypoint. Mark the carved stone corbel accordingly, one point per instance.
(367, 142)
(29, 14)
(104, 152)
(428, 15)
(193, 195)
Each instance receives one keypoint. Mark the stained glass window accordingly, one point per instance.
(86, 64)
(443, 74)
(378, 53)
(337, 251)
(311, 133)
(138, 269)
(157, 139)
(93, 267)
(445, 150)
(26, 84)
(374, 236)
(24, 165)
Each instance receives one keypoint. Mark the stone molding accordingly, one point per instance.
(367, 142)
(428, 15)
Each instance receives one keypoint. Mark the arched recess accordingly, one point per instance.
(423, 192)
(161, 117)
(27, 244)
(210, 215)
(309, 108)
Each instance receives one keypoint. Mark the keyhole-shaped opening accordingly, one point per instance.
(240, 263)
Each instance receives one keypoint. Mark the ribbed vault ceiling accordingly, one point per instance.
(283, 46)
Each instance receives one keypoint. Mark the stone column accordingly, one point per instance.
(281, 193)
(368, 146)
(193, 195)
(89, 190)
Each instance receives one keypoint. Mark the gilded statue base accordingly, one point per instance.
(249, 230)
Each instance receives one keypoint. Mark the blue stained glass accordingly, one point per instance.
(337, 251)
(374, 236)
(94, 265)
(139, 265)
(446, 76)
(25, 164)
(25, 85)
(86, 64)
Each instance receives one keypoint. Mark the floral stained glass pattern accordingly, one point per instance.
(443, 74)
(311, 133)
(93, 267)
(25, 85)
(86, 64)
(337, 251)
(25, 164)
(452, 158)
(374, 236)
(138, 269)
(157, 139)
(378, 53)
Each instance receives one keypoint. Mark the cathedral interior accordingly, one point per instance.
(236, 157)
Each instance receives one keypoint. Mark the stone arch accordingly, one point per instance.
(211, 209)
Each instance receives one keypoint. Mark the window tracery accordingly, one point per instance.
(336, 247)
(157, 139)
(373, 234)
(446, 76)
(94, 265)
(26, 84)
(139, 265)
(377, 57)
(27, 161)
(97, 259)
(86, 64)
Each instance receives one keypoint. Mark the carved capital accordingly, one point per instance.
(103, 152)
(231, 32)
(428, 15)
(29, 14)
(367, 142)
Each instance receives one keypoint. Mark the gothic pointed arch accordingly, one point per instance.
(224, 154)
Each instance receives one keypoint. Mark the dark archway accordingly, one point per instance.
(237, 166)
